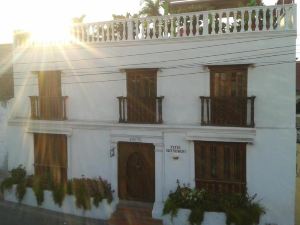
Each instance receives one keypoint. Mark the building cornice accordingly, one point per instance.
(193, 132)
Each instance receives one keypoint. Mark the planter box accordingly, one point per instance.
(182, 218)
(104, 211)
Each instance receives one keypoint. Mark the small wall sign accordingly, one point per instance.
(175, 149)
(135, 139)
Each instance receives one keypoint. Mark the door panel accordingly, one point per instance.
(220, 166)
(136, 171)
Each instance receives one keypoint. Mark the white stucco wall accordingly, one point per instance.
(91, 78)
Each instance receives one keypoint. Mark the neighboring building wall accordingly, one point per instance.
(297, 210)
(6, 93)
(203, 5)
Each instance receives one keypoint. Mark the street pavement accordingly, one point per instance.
(17, 214)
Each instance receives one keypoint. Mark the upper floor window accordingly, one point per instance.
(6, 85)
(228, 104)
(228, 81)
(50, 104)
(141, 104)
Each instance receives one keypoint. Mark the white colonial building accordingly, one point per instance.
(206, 98)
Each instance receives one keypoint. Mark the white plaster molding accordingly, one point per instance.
(49, 130)
(223, 136)
(224, 36)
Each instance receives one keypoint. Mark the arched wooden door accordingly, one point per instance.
(136, 172)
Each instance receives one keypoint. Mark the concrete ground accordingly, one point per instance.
(16, 214)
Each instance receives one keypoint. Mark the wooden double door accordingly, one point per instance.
(136, 172)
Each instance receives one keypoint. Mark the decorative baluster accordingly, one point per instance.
(163, 28)
(220, 22)
(154, 28)
(113, 33)
(98, 33)
(166, 28)
(256, 20)
(242, 21)
(264, 19)
(197, 27)
(178, 26)
(234, 22)
(159, 27)
(271, 28)
(148, 28)
(213, 23)
(287, 18)
(91, 33)
(294, 18)
(137, 29)
(129, 30)
(82, 33)
(191, 17)
(184, 26)
(172, 27)
(142, 29)
(227, 22)
(205, 23)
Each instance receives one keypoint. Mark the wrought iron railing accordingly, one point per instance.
(140, 110)
(48, 108)
(227, 111)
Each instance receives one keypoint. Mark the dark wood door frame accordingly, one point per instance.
(136, 171)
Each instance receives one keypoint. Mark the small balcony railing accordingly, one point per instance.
(141, 110)
(227, 111)
(48, 108)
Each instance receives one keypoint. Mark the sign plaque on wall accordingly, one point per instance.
(175, 149)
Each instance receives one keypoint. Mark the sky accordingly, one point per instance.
(42, 14)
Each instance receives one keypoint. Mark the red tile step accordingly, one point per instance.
(133, 213)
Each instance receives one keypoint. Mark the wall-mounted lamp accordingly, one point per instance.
(175, 156)
(112, 152)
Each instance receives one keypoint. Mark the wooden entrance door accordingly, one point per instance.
(136, 171)
(50, 94)
(141, 94)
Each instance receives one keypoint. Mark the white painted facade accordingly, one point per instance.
(93, 77)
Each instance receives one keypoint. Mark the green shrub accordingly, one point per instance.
(58, 194)
(21, 190)
(240, 209)
(70, 187)
(18, 177)
(82, 195)
(38, 189)
(7, 184)
(18, 174)
(196, 216)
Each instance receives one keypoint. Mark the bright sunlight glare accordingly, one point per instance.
(51, 20)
